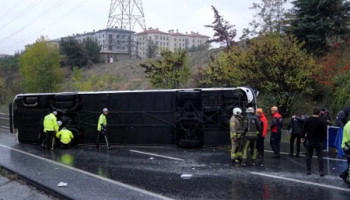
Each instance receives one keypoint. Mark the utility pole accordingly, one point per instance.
(125, 14)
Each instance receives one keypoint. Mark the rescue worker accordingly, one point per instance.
(102, 129)
(65, 137)
(276, 131)
(252, 128)
(236, 130)
(50, 129)
(260, 143)
(345, 145)
(295, 127)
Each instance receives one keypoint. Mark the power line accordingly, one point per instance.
(49, 25)
(16, 17)
(55, 6)
(8, 11)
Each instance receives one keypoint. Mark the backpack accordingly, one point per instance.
(252, 126)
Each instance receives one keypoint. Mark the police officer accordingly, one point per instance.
(252, 127)
(65, 137)
(236, 130)
(50, 129)
(346, 148)
(102, 129)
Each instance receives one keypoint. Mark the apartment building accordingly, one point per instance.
(115, 43)
(171, 40)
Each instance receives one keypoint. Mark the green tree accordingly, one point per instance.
(273, 64)
(74, 52)
(340, 96)
(317, 22)
(224, 32)
(40, 67)
(152, 48)
(270, 18)
(92, 48)
(170, 71)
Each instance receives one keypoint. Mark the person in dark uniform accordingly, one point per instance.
(314, 133)
(295, 127)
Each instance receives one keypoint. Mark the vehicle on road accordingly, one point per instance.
(185, 117)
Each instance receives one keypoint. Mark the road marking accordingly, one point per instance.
(5, 127)
(157, 155)
(4, 118)
(327, 158)
(91, 174)
(300, 181)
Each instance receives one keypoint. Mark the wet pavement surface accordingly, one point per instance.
(136, 172)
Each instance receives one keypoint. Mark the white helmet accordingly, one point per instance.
(250, 110)
(105, 110)
(54, 112)
(237, 111)
(59, 123)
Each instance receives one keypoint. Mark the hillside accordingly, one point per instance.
(126, 74)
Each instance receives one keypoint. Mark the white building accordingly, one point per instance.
(171, 40)
(115, 43)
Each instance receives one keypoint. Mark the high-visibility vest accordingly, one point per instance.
(65, 136)
(50, 123)
(102, 120)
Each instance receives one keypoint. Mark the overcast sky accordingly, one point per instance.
(23, 21)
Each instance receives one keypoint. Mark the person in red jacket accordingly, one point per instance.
(261, 137)
(276, 131)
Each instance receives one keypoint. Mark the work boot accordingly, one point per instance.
(321, 174)
(276, 156)
(308, 172)
(243, 163)
(253, 162)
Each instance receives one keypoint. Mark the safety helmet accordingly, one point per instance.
(54, 112)
(105, 110)
(250, 110)
(59, 123)
(237, 111)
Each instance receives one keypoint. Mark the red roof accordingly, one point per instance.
(150, 31)
(156, 31)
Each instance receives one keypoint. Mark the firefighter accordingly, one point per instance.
(236, 130)
(346, 148)
(102, 129)
(252, 127)
(65, 137)
(50, 129)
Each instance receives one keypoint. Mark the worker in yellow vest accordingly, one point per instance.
(50, 129)
(65, 137)
(102, 129)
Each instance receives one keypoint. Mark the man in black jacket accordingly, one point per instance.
(315, 132)
(296, 129)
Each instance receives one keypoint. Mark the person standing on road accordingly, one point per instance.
(295, 127)
(252, 128)
(314, 132)
(102, 129)
(276, 131)
(260, 143)
(325, 116)
(345, 145)
(236, 130)
(50, 129)
(342, 117)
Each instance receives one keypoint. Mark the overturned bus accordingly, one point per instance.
(185, 117)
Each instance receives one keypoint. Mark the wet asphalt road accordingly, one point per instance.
(155, 173)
